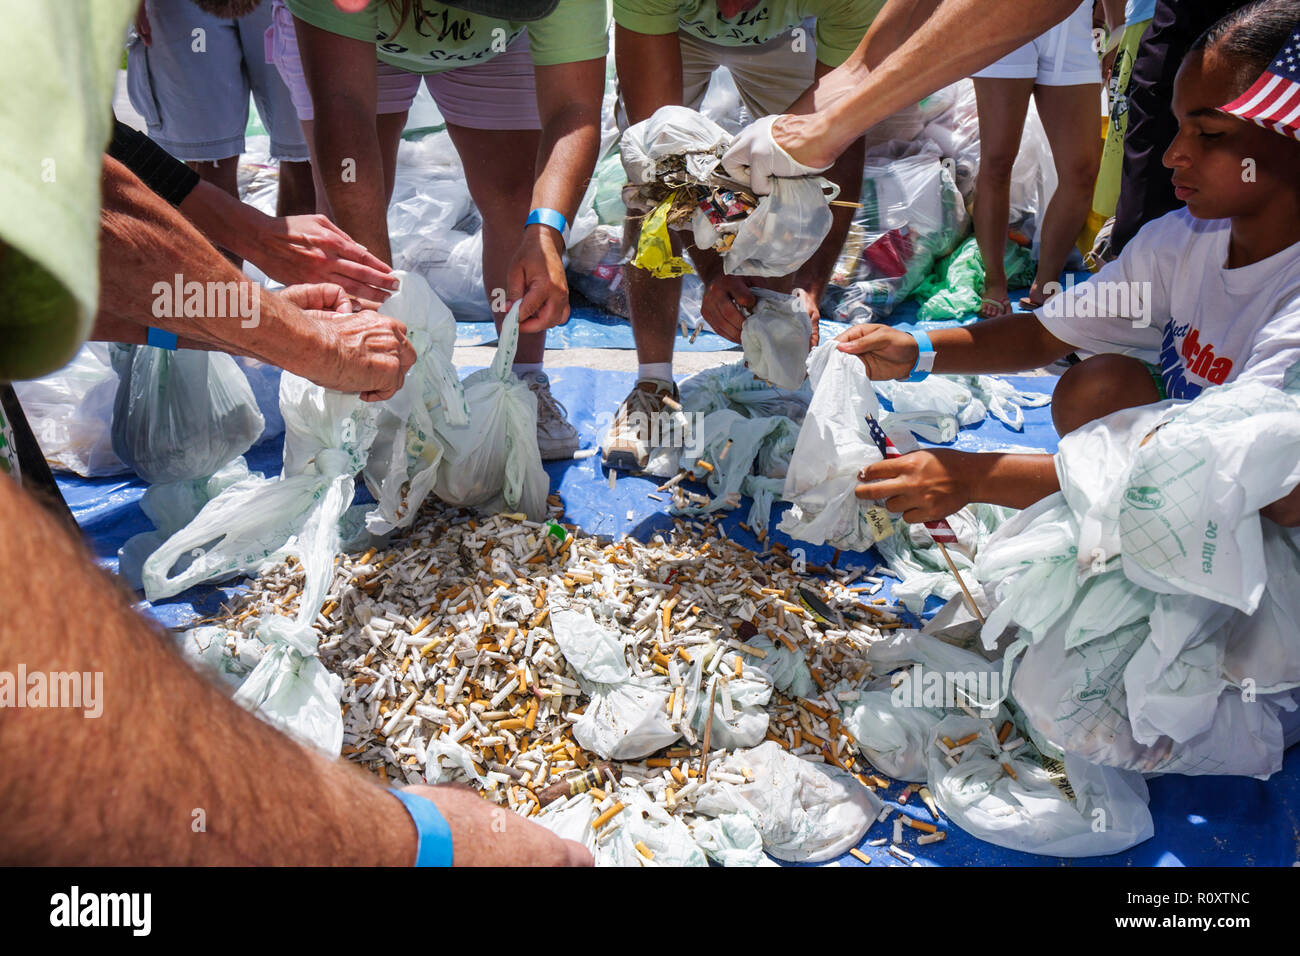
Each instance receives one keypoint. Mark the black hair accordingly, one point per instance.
(1251, 37)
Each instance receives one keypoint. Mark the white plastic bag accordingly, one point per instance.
(71, 413)
(834, 444)
(327, 440)
(407, 451)
(805, 811)
(493, 461)
(776, 337)
(1027, 810)
(672, 131)
(181, 415)
(784, 230)
(734, 386)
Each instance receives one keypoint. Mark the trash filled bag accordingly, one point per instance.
(493, 461)
(955, 288)
(834, 444)
(407, 451)
(71, 413)
(1074, 810)
(805, 812)
(783, 232)
(777, 337)
(668, 840)
(181, 415)
(675, 142)
(912, 216)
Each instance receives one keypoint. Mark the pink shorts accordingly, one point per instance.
(499, 93)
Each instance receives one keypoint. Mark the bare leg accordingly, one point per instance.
(1098, 386)
(1071, 119)
(297, 193)
(1002, 106)
(652, 302)
(502, 188)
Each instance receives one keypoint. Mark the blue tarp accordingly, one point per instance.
(1199, 820)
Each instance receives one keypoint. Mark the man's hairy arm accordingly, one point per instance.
(123, 788)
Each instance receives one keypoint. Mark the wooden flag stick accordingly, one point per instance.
(960, 583)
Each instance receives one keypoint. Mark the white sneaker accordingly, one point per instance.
(557, 440)
(627, 443)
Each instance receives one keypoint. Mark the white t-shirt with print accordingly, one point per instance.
(1170, 300)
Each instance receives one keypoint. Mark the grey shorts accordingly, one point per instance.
(192, 88)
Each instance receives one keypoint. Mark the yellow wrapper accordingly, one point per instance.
(654, 250)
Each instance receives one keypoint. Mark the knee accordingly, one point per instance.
(995, 167)
(1079, 175)
(1098, 386)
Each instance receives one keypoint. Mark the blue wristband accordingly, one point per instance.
(549, 217)
(160, 339)
(924, 357)
(433, 835)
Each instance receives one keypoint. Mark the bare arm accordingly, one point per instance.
(171, 771)
(1013, 343)
(904, 58)
(569, 99)
(289, 249)
(145, 244)
(342, 78)
(649, 71)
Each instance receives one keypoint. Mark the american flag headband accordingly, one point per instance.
(1273, 101)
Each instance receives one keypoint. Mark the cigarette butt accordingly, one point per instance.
(965, 740)
(947, 742)
(442, 693)
(530, 721)
(859, 855)
(739, 668)
(671, 403)
(1011, 771)
(644, 850)
(1004, 732)
(678, 775)
(880, 782)
(681, 652)
(920, 825)
(705, 465)
(613, 478)
(608, 815)
(937, 837)
(930, 805)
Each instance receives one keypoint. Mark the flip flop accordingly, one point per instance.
(1029, 305)
(1003, 306)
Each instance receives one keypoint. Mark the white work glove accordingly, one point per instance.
(756, 156)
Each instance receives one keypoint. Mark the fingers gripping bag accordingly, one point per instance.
(777, 337)
(407, 449)
(493, 461)
(834, 444)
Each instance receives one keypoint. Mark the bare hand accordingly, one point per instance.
(483, 834)
(923, 486)
(887, 353)
(311, 248)
(726, 305)
(537, 276)
(363, 352)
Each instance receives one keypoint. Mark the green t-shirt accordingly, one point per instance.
(60, 61)
(841, 24)
(436, 37)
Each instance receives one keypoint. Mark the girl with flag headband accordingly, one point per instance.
(1216, 285)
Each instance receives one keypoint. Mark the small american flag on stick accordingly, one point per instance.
(940, 530)
(1273, 101)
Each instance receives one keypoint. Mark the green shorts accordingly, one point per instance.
(1157, 379)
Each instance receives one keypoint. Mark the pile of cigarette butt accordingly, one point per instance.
(445, 636)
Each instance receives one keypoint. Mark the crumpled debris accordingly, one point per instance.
(777, 337)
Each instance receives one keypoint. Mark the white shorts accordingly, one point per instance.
(1063, 56)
